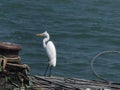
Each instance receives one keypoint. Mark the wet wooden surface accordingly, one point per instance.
(62, 83)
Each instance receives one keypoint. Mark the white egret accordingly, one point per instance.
(50, 50)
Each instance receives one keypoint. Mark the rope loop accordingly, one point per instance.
(93, 60)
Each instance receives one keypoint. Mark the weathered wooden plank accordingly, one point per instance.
(73, 83)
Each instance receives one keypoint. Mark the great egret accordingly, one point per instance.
(50, 50)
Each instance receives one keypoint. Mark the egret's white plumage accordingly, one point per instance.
(50, 49)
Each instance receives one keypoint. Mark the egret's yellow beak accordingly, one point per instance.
(39, 35)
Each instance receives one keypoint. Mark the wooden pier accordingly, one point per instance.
(56, 83)
(63, 83)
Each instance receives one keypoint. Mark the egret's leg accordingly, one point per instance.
(50, 71)
(46, 70)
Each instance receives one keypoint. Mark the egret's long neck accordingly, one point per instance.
(45, 40)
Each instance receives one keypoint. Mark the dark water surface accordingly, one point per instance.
(80, 29)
